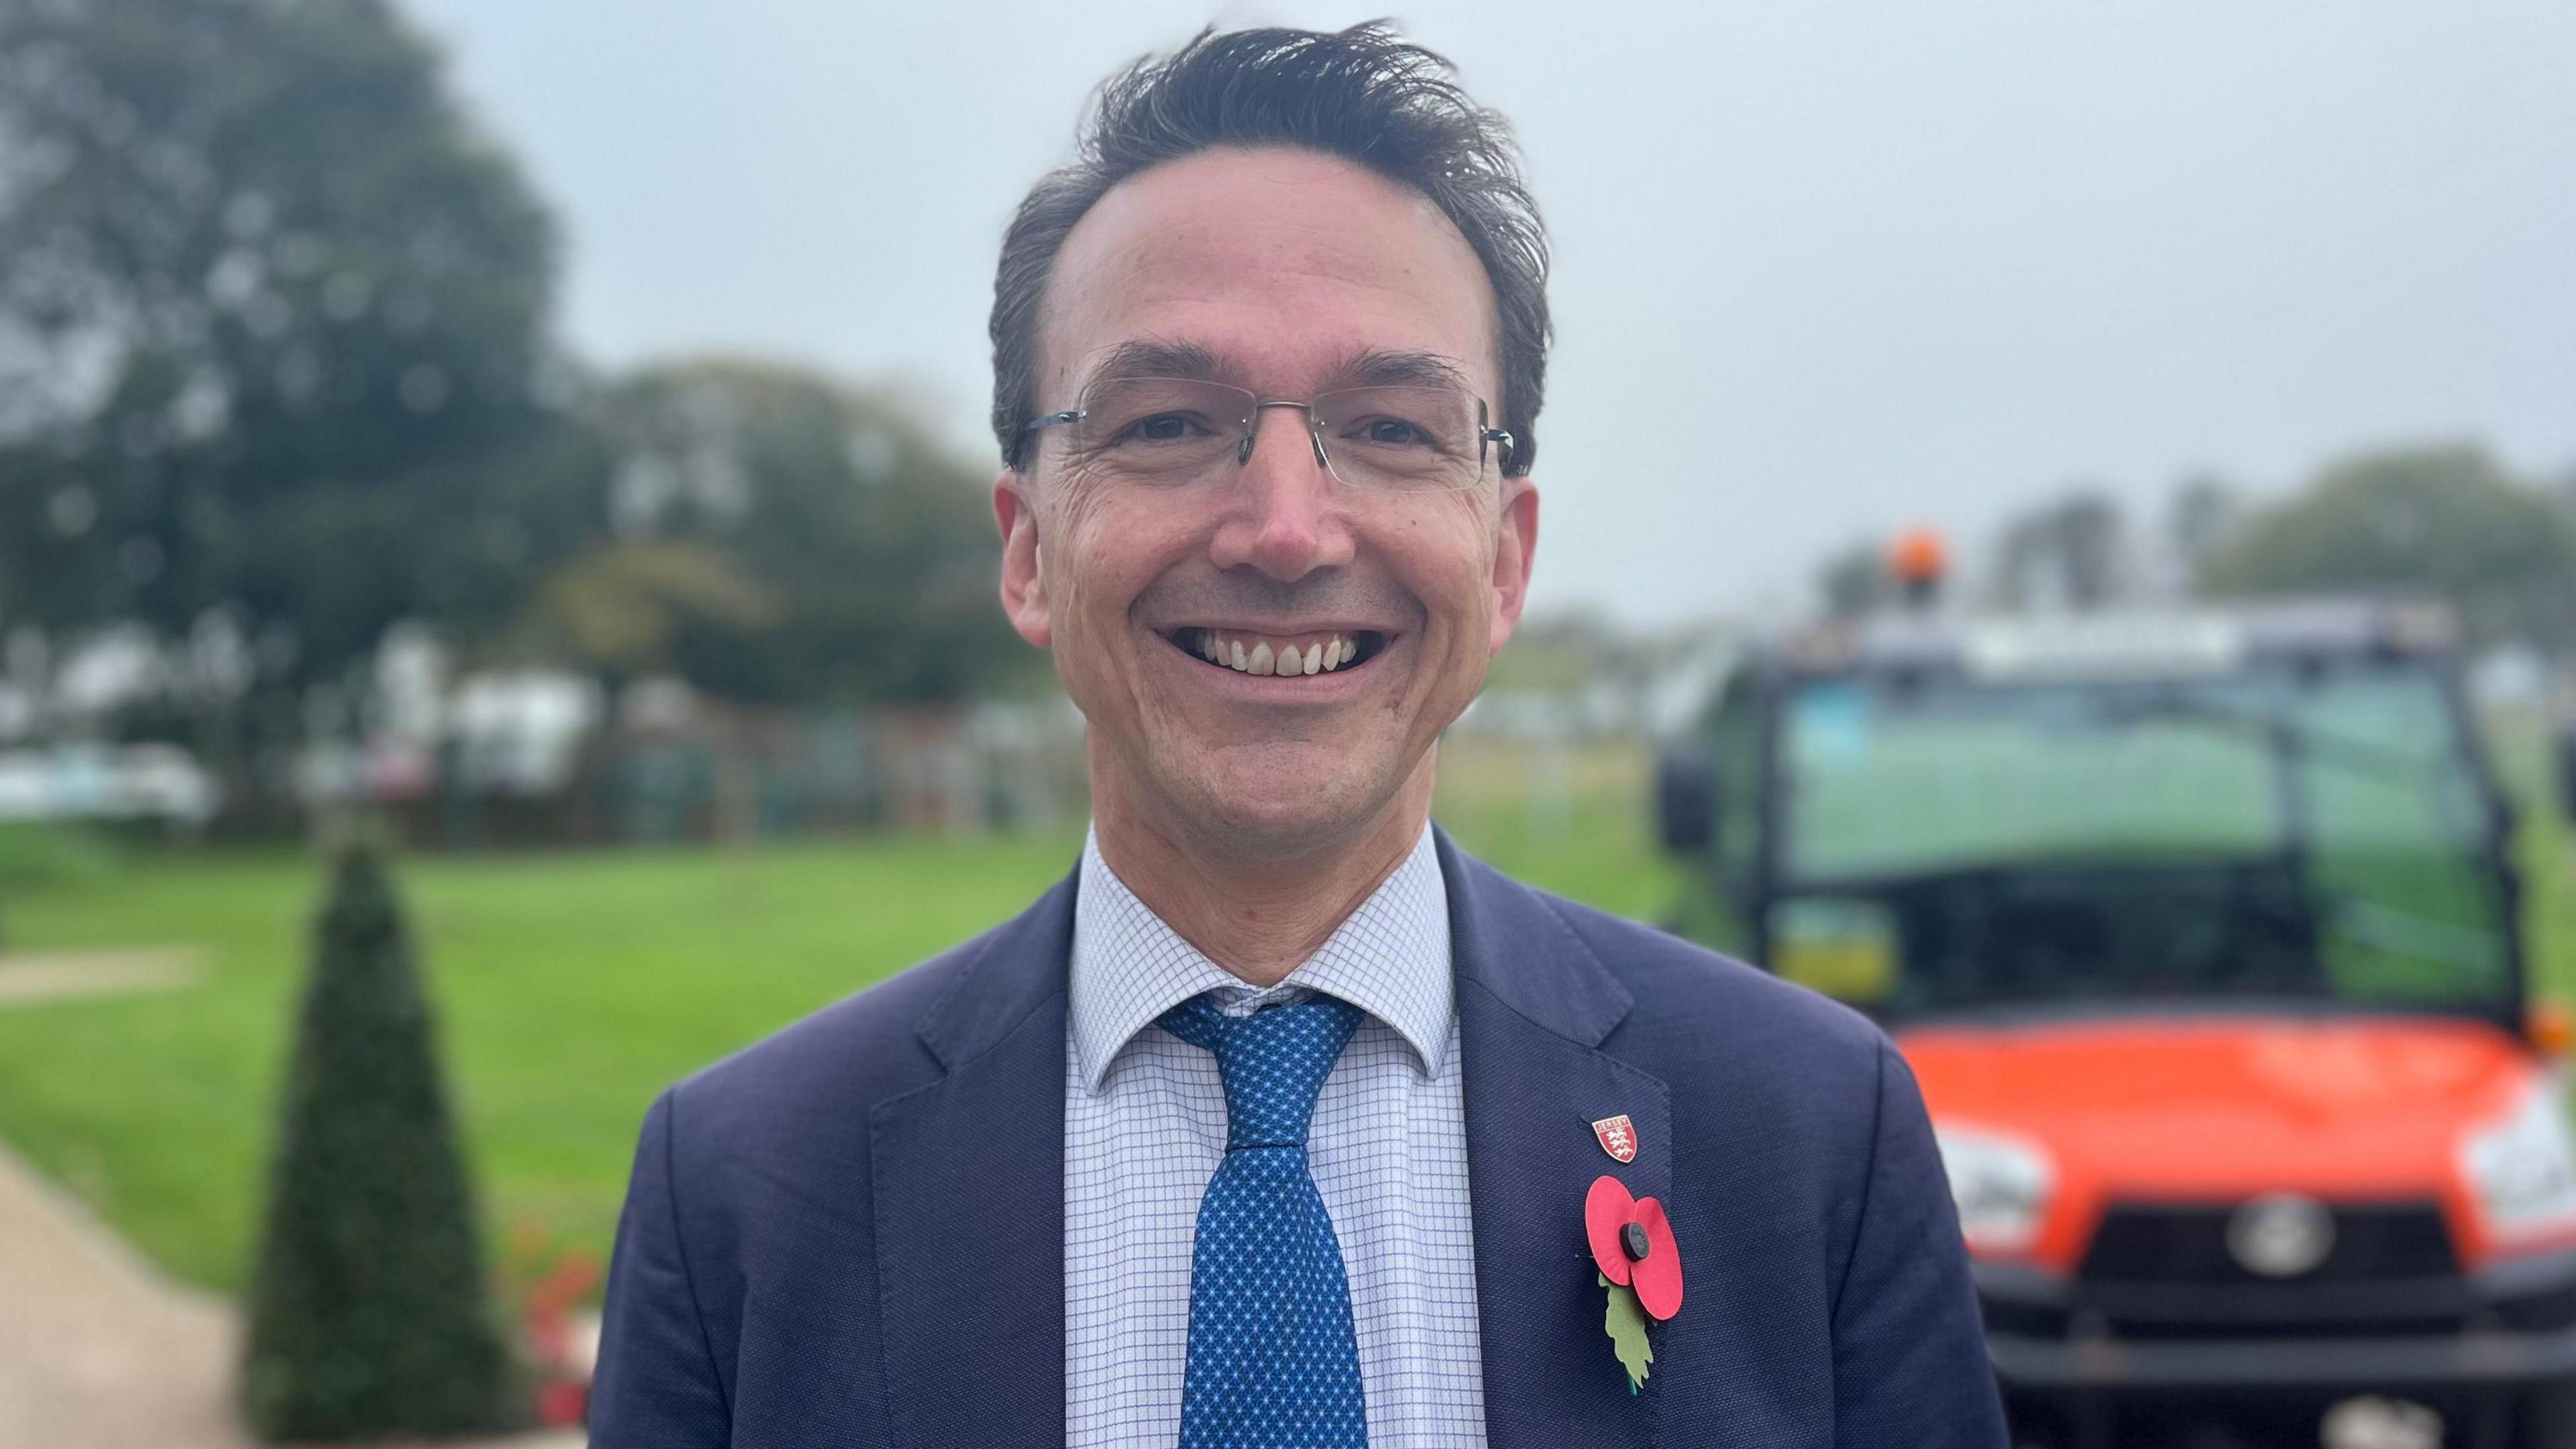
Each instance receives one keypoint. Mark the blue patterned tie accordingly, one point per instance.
(1273, 1361)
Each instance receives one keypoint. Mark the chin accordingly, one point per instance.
(1288, 803)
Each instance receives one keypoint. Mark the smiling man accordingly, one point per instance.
(1282, 1121)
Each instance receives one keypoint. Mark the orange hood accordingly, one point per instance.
(2214, 1109)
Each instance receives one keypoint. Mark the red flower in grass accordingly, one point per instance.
(1632, 1243)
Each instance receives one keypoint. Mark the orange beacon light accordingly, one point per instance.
(1919, 560)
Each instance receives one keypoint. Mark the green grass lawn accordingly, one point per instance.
(571, 988)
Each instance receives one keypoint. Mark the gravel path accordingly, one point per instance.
(97, 1351)
(27, 977)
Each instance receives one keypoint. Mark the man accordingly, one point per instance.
(1276, 1122)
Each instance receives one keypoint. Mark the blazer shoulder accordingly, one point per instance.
(1685, 992)
(866, 1047)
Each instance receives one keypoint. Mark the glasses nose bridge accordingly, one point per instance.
(1252, 431)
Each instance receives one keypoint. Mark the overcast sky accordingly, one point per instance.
(1821, 270)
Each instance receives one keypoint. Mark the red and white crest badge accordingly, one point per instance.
(1618, 1137)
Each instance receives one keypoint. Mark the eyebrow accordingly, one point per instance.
(1147, 358)
(1370, 367)
(1374, 368)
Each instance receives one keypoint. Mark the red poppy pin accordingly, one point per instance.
(1639, 1265)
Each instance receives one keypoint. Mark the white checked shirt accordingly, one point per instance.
(1144, 1129)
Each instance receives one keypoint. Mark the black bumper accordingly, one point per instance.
(2509, 1327)
(2332, 1365)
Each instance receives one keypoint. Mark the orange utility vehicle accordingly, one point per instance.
(2200, 932)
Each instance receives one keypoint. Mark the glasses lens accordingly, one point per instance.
(1161, 429)
(1403, 438)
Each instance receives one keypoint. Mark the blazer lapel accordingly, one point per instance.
(969, 1201)
(1533, 1008)
(969, 1181)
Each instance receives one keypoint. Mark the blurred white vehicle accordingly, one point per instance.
(107, 782)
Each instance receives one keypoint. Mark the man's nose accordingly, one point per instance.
(1284, 512)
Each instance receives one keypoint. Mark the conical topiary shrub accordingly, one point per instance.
(368, 1312)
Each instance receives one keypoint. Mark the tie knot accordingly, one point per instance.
(1273, 1063)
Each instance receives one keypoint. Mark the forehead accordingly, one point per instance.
(1283, 264)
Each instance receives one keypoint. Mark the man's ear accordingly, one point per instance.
(1515, 543)
(1023, 586)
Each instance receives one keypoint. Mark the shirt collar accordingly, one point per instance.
(1390, 958)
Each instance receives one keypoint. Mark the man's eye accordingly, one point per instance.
(1387, 433)
(1161, 428)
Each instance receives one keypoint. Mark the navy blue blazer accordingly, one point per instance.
(852, 1234)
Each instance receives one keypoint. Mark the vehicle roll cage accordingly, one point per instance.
(1772, 674)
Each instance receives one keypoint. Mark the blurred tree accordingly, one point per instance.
(1855, 581)
(623, 608)
(1576, 652)
(2203, 511)
(2442, 519)
(779, 538)
(272, 357)
(2071, 552)
(369, 1315)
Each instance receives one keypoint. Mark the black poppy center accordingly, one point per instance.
(1633, 1238)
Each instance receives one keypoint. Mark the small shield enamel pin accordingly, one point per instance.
(1618, 1137)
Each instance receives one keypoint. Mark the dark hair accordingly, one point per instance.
(1360, 94)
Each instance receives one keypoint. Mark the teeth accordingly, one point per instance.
(1319, 658)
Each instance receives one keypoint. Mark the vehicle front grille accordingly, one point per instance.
(2164, 1271)
(2551, 1311)
(2174, 1244)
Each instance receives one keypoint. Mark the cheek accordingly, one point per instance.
(1451, 559)
(1105, 553)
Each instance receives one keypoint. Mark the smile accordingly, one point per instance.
(1280, 654)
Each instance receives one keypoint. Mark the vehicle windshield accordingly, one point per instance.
(2310, 830)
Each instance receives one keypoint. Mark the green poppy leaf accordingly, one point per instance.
(1626, 1325)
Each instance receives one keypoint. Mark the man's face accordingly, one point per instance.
(1288, 274)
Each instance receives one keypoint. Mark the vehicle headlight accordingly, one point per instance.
(2523, 1169)
(2000, 1183)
